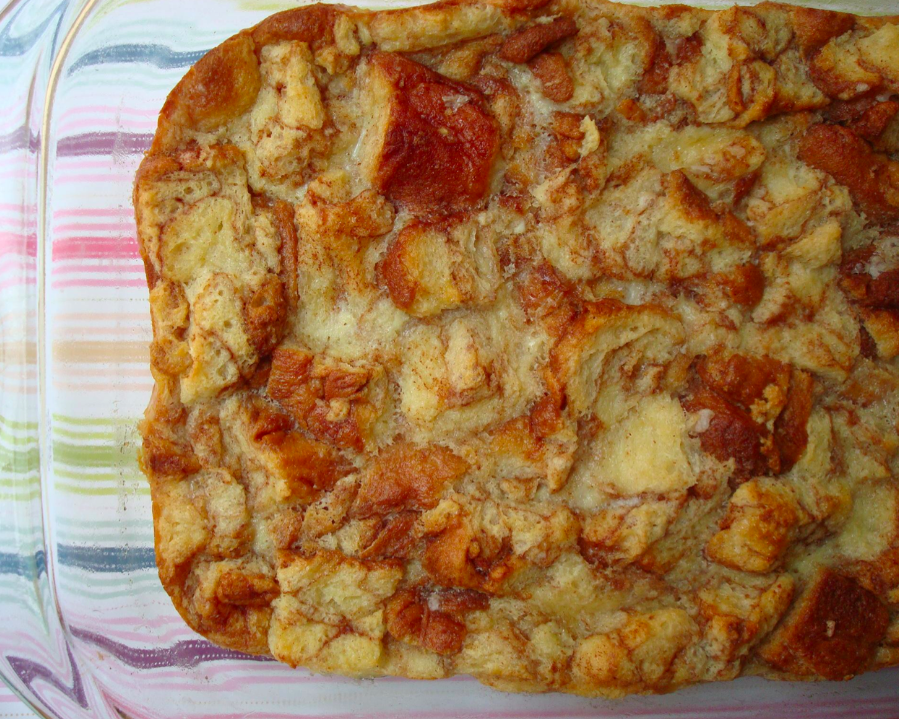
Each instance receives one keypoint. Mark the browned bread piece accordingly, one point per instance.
(549, 342)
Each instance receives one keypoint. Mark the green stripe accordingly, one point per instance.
(132, 540)
(77, 434)
(91, 421)
(15, 599)
(20, 496)
(103, 595)
(103, 73)
(125, 30)
(15, 482)
(94, 524)
(7, 436)
(29, 426)
(23, 545)
(88, 476)
(32, 473)
(99, 581)
(20, 461)
(97, 491)
(139, 536)
(93, 455)
(125, 530)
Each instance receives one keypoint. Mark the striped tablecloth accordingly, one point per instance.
(11, 707)
(126, 652)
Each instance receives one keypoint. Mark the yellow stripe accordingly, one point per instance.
(90, 352)
(18, 353)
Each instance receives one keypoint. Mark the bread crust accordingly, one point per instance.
(551, 342)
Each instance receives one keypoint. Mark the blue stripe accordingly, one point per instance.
(92, 559)
(30, 566)
(159, 55)
(11, 46)
(106, 559)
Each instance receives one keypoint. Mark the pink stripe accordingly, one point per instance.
(115, 702)
(10, 282)
(165, 638)
(14, 175)
(107, 109)
(120, 248)
(818, 710)
(750, 709)
(98, 125)
(14, 239)
(131, 276)
(17, 271)
(214, 669)
(122, 256)
(130, 265)
(14, 108)
(27, 171)
(9, 236)
(449, 714)
(94, 227)
(777, 708)
(107, 178)
(112, 282)
(13, 220)
(93, 212)
(19, 263)
(14, 160)
(87, 620)
(11, 260)
(15, 255)
(131, 621)
(71, 164)
(154, 641)
(39, 651)
(824, 711)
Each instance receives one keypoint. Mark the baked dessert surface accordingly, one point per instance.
(552, 343)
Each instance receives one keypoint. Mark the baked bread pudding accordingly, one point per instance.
(548, 342)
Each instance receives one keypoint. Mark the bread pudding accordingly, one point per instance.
(552, 343)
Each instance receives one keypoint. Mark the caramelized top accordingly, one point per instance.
(549, 342)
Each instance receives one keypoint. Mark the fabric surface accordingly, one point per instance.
(11, 707)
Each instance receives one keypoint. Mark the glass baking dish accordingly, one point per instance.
(86, 629)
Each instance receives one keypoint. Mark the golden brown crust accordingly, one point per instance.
(437, 148)
(312, 25)
(552, 342)
(221, 86)
(871, 177)
(832, 632)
